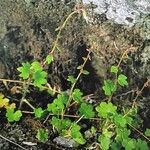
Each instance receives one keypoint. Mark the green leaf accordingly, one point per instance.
(77, 95)
(71, 79)
(63, 97)
(36, 66)
(42, 135)
(93, 130)
(76, 134)
(122, 133)
(86, 110)
(107, 133)
(60, 125)
(56, 123)
(80, 67)
(12, 115)
(49, 59)
(106, 110)
(39, 78)
(116, 146)
(24, 70)
(122, 80)
(56, 107)
(147, 132)
(141, 145)
(38, 112)
(104, 142)
(85, 72)
(109, 87)
(120, 120)
(129, 144)
(58, 104)
(114, 69)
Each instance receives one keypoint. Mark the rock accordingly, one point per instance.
(127, 12)
(65, 142)
(88, 134)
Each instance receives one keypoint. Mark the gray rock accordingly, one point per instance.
(126, 12)
(88, 134)
(65, 142)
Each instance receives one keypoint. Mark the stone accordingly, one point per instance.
(127, 12)
(65, 142)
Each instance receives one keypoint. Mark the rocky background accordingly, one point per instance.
(27, 31)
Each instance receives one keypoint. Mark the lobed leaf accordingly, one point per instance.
(24, 70)
(106, 110)
(12, 115)
(77, 95)
(42, 135)
(86, 110)
(38, 112)
(114, 69)
(39, 78)
(109, 87)
(122, 80)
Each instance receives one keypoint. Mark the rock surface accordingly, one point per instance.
(27, 32)
(127, 12)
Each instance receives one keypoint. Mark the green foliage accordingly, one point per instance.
(121, 134)
(141, 145)
(42, 135)
(63, 127)
(77, 95)
(120, 120)
(24, 70)
(129, 144)
(57, 106)
(113, 124)
(116, 146)
(104, 142)
(122, 80)
(109, 87)
(60, 125)
(80, 67)
(38, 112)
(39, 78)
(36, 66)
(76, 134)
(106, 110)
(13, 115)
(85, 72)
(147, 132)
(33, 71)
(114, 69)
(49, 59)
(71, 79)
(86, 110)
